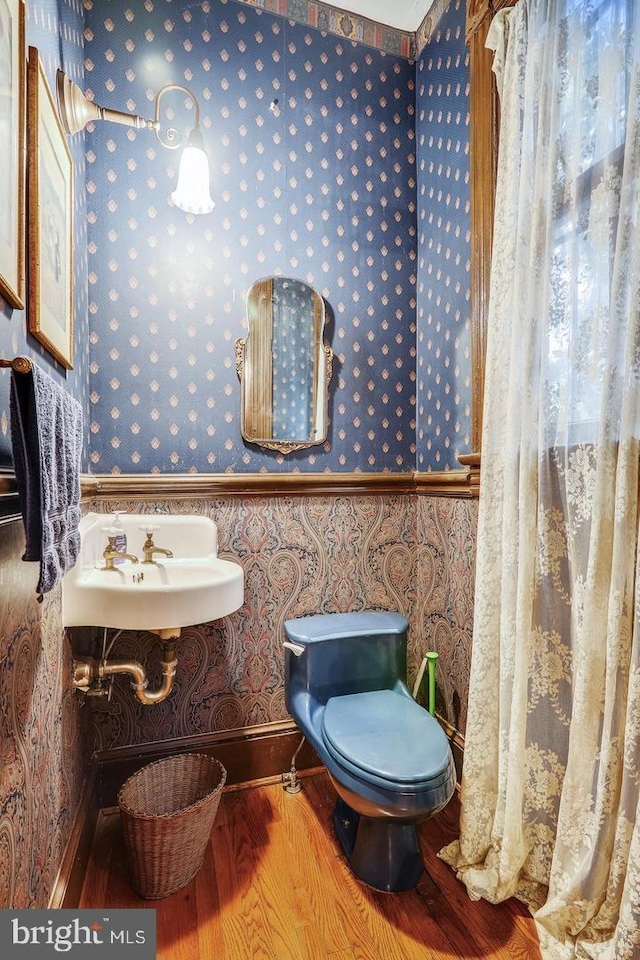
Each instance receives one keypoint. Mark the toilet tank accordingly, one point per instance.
(344, 653)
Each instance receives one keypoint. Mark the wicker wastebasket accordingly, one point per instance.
(167, 811)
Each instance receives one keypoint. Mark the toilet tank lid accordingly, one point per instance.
(339, 626)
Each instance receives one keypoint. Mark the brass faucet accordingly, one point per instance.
(149, 548)
(110, 555)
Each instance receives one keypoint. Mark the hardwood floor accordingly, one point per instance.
(274, 886)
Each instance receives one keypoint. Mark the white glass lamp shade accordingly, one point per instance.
(192, 194)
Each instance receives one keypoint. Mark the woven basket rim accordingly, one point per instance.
(131, 811)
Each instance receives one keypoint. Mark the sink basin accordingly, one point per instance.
(193, 586)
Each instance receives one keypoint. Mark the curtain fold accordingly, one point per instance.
(551, 783)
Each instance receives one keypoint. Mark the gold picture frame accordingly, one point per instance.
(12, 114)
(50, 206)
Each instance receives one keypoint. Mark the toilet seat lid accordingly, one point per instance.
(386, 735)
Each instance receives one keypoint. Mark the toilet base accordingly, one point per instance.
(381, 852)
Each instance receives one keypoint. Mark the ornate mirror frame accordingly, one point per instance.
(255, 369)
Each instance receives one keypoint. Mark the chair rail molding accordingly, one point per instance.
(448, 483)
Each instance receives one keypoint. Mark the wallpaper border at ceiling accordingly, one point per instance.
(333, 20)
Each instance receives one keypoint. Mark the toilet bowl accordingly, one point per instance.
(388, 758)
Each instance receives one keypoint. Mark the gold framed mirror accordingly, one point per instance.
(284, 366)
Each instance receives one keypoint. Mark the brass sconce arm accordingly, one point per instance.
(173, 138)
(76, 111)
(192, 193)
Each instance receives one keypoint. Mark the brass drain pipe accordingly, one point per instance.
(88, 670)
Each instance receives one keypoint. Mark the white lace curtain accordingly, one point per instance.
(551, 786)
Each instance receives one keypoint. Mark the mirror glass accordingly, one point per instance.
(284, 366)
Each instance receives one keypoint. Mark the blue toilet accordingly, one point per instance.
(388, 758)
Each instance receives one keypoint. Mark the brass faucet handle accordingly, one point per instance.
(149, 547)
(149, 528)
(111, 532)
(111, 546)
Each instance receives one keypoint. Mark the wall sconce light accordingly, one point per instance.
(192, 193)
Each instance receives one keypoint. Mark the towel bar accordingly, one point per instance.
(19, 364)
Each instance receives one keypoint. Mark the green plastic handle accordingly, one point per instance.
(431, 669)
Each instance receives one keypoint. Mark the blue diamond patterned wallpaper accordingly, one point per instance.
(443, 289)
(321, 187)
(356, 181)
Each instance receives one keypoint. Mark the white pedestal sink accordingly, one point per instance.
(192, 586)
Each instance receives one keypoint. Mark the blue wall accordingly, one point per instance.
(443, 288)
(323, 191)
(359, 184)
(55, 27)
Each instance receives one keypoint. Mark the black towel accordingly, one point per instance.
(46, 439)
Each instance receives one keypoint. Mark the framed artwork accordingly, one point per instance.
(12, 112)
(50, 192)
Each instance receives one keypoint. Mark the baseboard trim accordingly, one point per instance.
(68, 885)
(249, 754)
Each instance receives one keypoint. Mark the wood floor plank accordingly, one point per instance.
(314, 946)
(273, 878)
(208, 911)
(177, 925)
(96, 881)
(275, 886)
(258, 815)
(245, 930)
(245, 937)
(315, 899)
